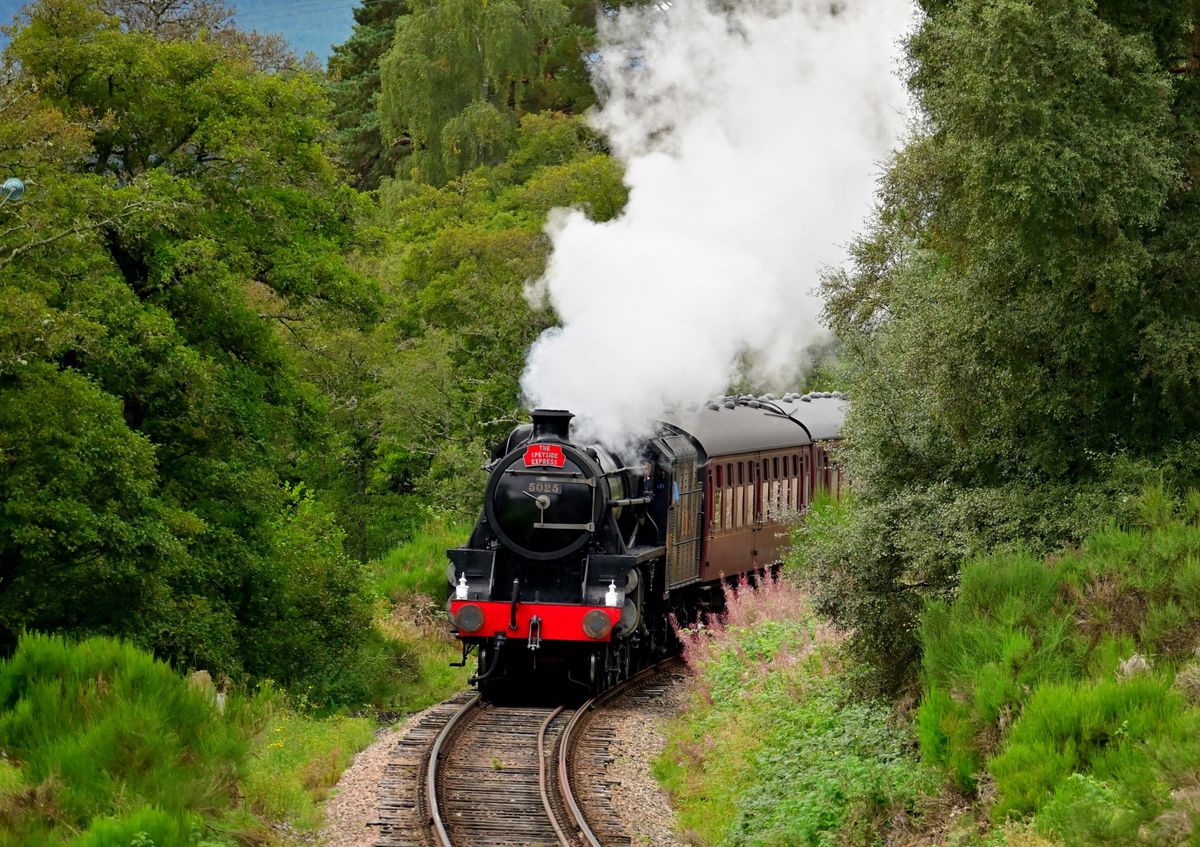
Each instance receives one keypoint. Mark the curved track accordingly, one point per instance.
(476, 775)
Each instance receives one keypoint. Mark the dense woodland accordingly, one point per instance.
(1021, 327)
(229, 375)
(259, 321)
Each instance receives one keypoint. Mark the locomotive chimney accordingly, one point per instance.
(552, 423)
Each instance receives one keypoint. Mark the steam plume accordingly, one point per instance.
(751, 136)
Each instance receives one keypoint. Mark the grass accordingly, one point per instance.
(418, 567)
(101, 745)
(296, 761)
(100, 739)
(412, 586)
(768, 751)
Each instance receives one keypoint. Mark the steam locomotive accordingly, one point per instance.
(580, 556)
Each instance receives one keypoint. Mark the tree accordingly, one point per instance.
(461, 73)
(181, 215)
(1018, 316)
(419, 398)
(189, 20)
(355, 86)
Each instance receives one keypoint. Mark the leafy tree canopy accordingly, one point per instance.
(188, 20)
(419, 399)
(354, 87)
(460, 74)
(180, 209)
(1023, 309)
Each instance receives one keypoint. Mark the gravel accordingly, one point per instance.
(637, 797)
(355, 799)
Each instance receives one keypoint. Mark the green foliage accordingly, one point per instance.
(1016, 332)
(107, 747)
(419, 566)
(1009, 630)
(147, 827)
(354, 88)
(104, 734)
(460, 74)
(297, 759)
(1021, 287)
(872, 563)
(769, 751)
(411, 585)
(1105, 729)
(1066, 681)
(435, 383)
(81, 523)
(179, 203)
(311, 628)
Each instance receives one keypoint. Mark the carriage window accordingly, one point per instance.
(752, 471)
(775, 513)
(729, 489)
(739, 496)
(714, 485)
(764, 485)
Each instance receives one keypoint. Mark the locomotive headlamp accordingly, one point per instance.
(596, 624)
(468, 618)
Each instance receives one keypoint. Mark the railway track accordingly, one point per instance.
(475, 775)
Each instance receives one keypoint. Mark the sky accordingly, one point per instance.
(314, 25)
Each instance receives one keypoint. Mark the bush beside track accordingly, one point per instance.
(102, 745)
(1059, 704)
(771, 750)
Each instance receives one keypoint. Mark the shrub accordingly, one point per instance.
(1097, 761)
(874, 562)
(768, 751)
(105, 735)
(311, 631)
(146, 827)
(1067, 680)
(1009, 629)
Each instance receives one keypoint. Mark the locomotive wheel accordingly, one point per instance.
(596, 670)
(618, 664)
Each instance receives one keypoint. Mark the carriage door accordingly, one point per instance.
(759, 497)
(685, 517)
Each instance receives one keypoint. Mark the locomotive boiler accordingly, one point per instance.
(582, 555)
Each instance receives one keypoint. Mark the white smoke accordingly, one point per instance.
(752, 138)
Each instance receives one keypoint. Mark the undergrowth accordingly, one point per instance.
(297, 760)
(769, 751)
(101, 741)
(101, 745)
(412, 587)
(419, 566)
(1064, 692)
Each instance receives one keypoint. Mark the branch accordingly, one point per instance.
(22, 249)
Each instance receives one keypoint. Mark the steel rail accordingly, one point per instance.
(565, 741)
(431, 794)
(544, 780)
(564, 777)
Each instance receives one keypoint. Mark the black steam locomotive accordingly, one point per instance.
(581, 555)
